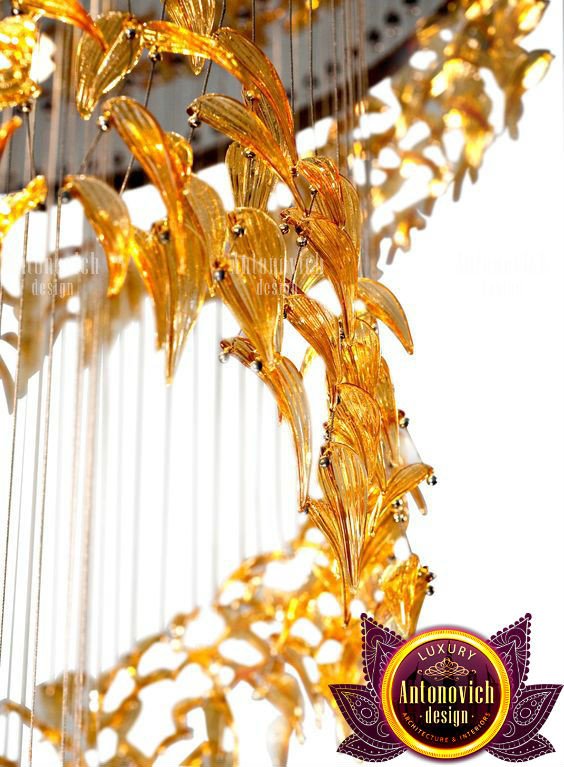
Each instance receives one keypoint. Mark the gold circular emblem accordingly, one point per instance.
(445, 693)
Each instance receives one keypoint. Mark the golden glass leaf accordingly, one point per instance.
(343, 518)
(382, 303)
(322, 174)
(98, 70)
(246, 283)
(360, 357)
(385, 397)
(15, 205)
(182, 154)
(231, 118)
(158, 156)
(252, 179)
(109, 218)
(401, 482)
(18, 38)
(404, 587)
(177, 290)
(338, 254)
(286, 384)
(319, 328)
(197, 16)
(353, 212)
(257, 73)
(356, 423)
(67, 11)
(6, 131)
(208, 208)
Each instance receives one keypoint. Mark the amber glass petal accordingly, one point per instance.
(246, 289)
(210, 212)
(287, 385)
(344, 485)
(156, 274)
(231, 118)
(404, 479)
(240, 348)
(319, 328)
(109, 217)
(323, 175)
(385, 397)
(258, 74)
(6, 131)
(18, 38)
(17, 204)
(98, 71)
(356, 423)
(252, 179)
(197, 16)
(353, 212)
(361, 358)
(181, 152)
(68, 11)
(404, 588)
(338, 254)
(150, 146)
(382, 303)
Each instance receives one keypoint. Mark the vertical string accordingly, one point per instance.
(311, 76)
(218, 418)
(166, 501)
(291, 36)
(242, 410)
(195, 461)
(138, 474)
(336, 105)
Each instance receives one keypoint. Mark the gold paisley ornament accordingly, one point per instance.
(99, 70)
(109, 218)
(67, 11)
(197, 16)
(18, 41)
(404, 586)
(323, 176)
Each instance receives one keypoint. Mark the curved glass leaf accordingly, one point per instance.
(385, 397)
(323, 175)
(97, 71)
(231, 118)
(287, 385)
(18, 36)
(67, 11)
(319, 328)
(178, 291)
(259, 74)
(353, 212)
(197, 16)
(246, 284)
(404, 587)
(356, 423)
(382, 303)
(17, 204)
(6, 131)
(109, 218)
(252, 179)
(180, 149)
(338, 254)
(208, 207)
(344, 485)
(361, 358)
(403, 480)
(158, 156)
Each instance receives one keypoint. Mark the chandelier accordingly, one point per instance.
(325, 177)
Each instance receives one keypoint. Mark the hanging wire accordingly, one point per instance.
(291, 35)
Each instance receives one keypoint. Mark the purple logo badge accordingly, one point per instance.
(446, 693)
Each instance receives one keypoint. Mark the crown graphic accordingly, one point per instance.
(446, 669)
